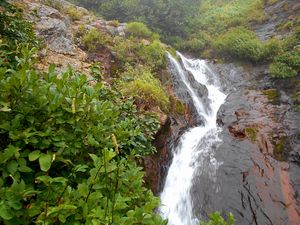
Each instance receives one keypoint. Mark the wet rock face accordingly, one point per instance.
(277, 14)
(182, 93)
(258, 179)
(156, 166)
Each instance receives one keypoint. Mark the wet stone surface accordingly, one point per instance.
(258, 177)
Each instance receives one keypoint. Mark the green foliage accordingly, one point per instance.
(281, 70)
(240, 42)
(135, 52)
(271, 94)
(67, 151)
(179, 107)
(138, 29)
(145, 88)
(94, 39)
(272, 48)
(217, 219)
(152, 54)
(170, 18)
(194, 44)
(54, 4)
(14, 32)
(286, 65)
(251, 133)
(74, 13)
(217, 16)
(114, 23)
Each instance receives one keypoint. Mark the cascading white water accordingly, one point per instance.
(195, 144)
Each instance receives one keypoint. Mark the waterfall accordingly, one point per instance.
(195, 145)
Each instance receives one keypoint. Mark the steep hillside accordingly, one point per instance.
(80, 105)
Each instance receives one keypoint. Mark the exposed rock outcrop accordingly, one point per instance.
(58, 30)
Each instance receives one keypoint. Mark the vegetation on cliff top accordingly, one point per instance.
(210, 28)
(68, 148)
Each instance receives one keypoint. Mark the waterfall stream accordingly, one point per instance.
(195, 145)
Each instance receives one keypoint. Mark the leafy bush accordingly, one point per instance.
(138, 29)
(14, 32)
(125, 49)
(216, 17)
(286, 65)
(281, 70)
(195, 44)
(145, 88)
(56, 4)
(74, 13)
(94, 39)
(240, 42)
(67, 151)
(217, 219)
(114, 23)
(152, 55)
(272, 48)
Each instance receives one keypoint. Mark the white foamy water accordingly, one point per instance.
(195, 145)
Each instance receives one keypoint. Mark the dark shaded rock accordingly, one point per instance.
(156, 166)
(277, 14)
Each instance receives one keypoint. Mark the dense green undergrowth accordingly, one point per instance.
(210, 28)
(68, 148)
(140, 57)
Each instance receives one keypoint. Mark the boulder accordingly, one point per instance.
(56, 35)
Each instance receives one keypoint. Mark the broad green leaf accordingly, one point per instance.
(83, 189)
(45, 179)
(90, 91)
(4, 107)
(9, 152)
(14, 204)
(92, 141)
(12, 166)
(45, 162)
(34, 155)
(18, 187)
(25, 169)
(94, 158)
(109, 155)
(59, 180)
(5, 212)
(81, 168)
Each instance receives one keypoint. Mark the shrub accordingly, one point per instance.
(152, 55)
(145, 89)
(54, 4)
(130, 51)
(272, 48)
(14, 33)
(125, 49)
(291, 58)
(195, 44)
(94, 39)
(281, 70)
(74, 13)
(286, 65)
(67, 151)
(217, 219)
(114, 23)
(138, 29)
(240, 42)
(216, 17)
